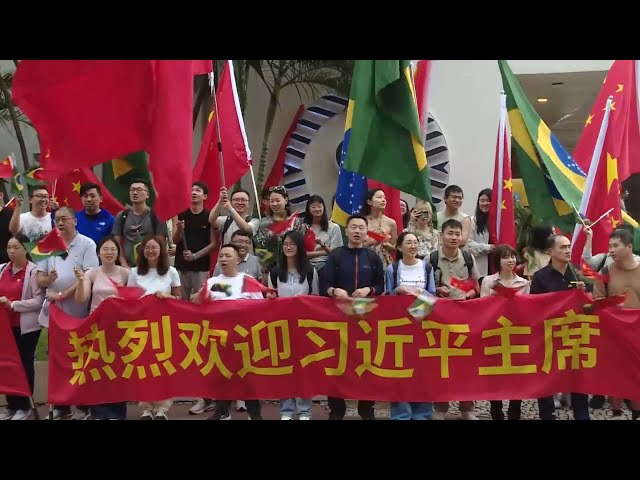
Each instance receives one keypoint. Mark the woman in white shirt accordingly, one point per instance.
(504, 262)
(154, 274)
(479, 243)
(296, 276)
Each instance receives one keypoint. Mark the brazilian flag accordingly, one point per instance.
(118, 174)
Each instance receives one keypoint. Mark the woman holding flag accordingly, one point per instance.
(383, 231)
(99, 283)
(23, 298)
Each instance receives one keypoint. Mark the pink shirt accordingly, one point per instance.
(102, 288)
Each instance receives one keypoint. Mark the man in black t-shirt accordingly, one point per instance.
(194, 241)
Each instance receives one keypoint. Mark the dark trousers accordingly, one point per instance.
(579, 405)
(513, 412)
(338, 408)
(322, 281)
(254, 409)
(27, 344)
(109, 411)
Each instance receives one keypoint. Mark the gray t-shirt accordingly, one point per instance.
(136, 227)
(250, 265)
(82, 254)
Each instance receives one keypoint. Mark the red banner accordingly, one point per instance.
(482, 349)
(13, 380)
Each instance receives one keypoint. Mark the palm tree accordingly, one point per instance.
(8, 112)
(306, 76)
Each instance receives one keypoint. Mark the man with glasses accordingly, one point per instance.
(238, 209)
(132, 224)
(57, 275)
(36, 223)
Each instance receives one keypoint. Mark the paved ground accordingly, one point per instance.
(270, 411)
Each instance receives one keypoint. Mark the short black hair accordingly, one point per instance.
(451, 223)
(88, 186)
(140, 180)
(357, 216)
(623, 235)
(452, 189)
(550, 242)
(230, 245)
(242, 233)
(202, 185)
(240, 190)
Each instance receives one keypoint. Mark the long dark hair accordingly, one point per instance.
(308, 218)
(163, 259)
(24, 240)
(539, 236)
(482, 218)
(303, 266)
(109, 238)
(401, 238)
(407, 216)
(366, 208)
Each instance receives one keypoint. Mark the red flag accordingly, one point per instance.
(202, 67)
(610, 301)
(235, 148)
(13, 380)
(310, 240)
(126, 292)
(281, 227)
(602, 192)
(11, 203)
(393, 202)
(251, 285)
(91, 111)
(508, 292)
(378, 237)
(502, 225)
(621, 82)
(421, 80)
(6, 168)
(277, 171)
(591, 274)
(462, 285)
(66, 191)
(52, 242)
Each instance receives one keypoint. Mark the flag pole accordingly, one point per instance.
(255, 190)
(215, 113)
(36, 415)
(502, 125)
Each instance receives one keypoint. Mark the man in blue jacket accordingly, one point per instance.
(354, 271)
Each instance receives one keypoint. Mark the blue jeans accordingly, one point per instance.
(288, 407)
(411, 410)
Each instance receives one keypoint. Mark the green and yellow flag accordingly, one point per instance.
(119, 172)
(385, 142)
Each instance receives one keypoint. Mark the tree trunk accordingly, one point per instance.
(16, 123)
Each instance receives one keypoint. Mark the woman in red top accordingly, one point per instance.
(20, 294)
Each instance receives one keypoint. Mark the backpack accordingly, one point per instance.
(468, 261)
(225, 227)
(427, 271)
(274, 278)
(373, 263)
(154, 221)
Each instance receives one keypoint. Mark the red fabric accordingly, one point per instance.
(11, 287)
(202, 67)
(310, 240)
(67, 191)
(421, 80)
(277, 171)
(6, 168)
(13, 380)
(251, 285)
(264, 348)
(91, 111)
(52, 242)
(505, 209)
(235, 151)
(623, 119)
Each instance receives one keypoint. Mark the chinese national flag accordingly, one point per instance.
(92, 111)
(52, 242)
(621, 82)
(13, 380)
(502, 225)
(6, 168)
(235, 148)
(67, 191)
(604, 193)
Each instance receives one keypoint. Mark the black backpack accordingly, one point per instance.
(274, 278)
(154, 221)
(427, 271)
(468, 261)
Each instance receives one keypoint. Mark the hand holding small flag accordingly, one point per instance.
(423, 306)
(251, 285)
(126, 292)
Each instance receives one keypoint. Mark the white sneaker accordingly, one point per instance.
(6, 414)
(22, 415)
(305, 417)
(286, 418)
(240, 406)
(161, 415)
(468, 416)
(438, 416)
(146, 415)
(556, 402)
(201, 406)
(80, 415)
(617, 417)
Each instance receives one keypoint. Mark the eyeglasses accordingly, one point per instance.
(61, 219)
(289, 245)
(139, 190)
(239, 200)
(41, 197)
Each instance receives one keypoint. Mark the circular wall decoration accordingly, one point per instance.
(310, 123)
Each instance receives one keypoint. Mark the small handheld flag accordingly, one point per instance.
(423, 306)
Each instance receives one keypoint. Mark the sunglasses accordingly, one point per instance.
(279, 188)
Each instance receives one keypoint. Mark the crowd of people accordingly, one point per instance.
(173, 260)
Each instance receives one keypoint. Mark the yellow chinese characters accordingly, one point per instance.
(203, 335)
(506, 349)
(342, 343)
(444, 351)
(135, 339)
(574, 341)
(273, 350)
(384, 338)
(84, 354)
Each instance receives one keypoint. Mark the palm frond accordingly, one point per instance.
(5, 116)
